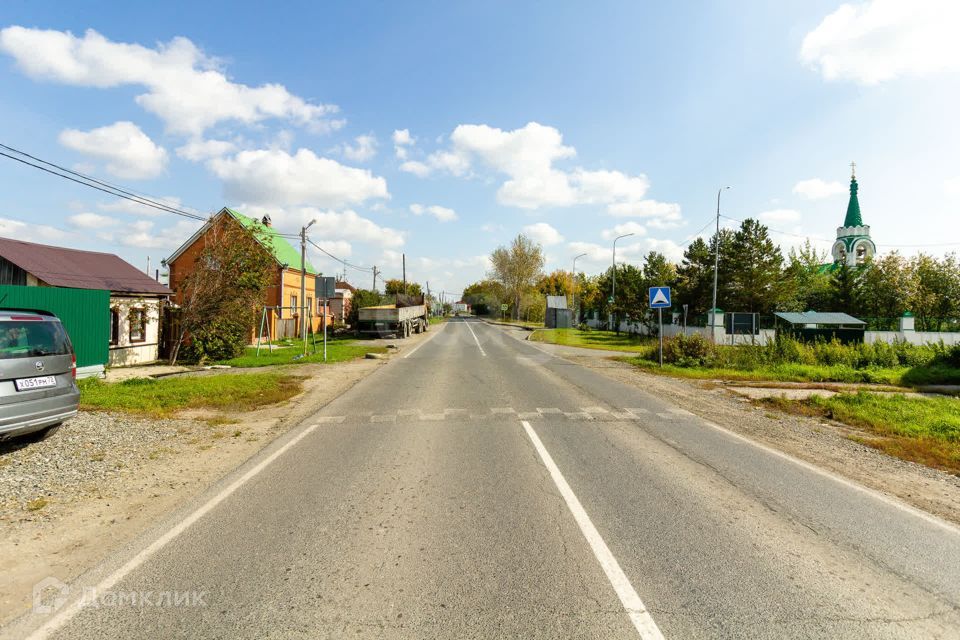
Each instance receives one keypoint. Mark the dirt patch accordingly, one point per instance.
(106, 477)
(844, 450)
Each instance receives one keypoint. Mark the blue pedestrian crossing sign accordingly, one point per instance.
(659, 297)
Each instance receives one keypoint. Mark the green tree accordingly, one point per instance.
(846, 289)
(517, 268)
(756, 271)
(221, 299)
(695, 273)
(937, 287)
(807, 280)
(395, 286)
(889, 283)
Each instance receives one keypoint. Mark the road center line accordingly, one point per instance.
(77, 605)
(475, 338)
(641, 618)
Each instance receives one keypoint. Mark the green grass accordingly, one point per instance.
(779, 373)
(234, 392)
(594, 339)
(338, 350)
(437, 319)
(924, 430)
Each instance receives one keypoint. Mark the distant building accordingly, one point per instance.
(340, 303)
(853, 245)
(135, 298)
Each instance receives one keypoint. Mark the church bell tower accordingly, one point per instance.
(853, 245)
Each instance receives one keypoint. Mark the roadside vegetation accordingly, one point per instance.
(788, 360)
(920, 429)
(229, 392)
(591, 339)
(291, 352)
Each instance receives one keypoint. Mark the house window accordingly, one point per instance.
(138, 325)
(293, 305)
(114, 325)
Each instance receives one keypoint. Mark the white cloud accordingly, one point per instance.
(91, 221)
(779, 215)
(621, 229)
(881, 40)
(817, 189)
(274, 177)
(339, 248)
(401, 140)
(122, 205)
(348, 225)
(543, 233)
(27, 232)
(128, 151)
(364, 149)
(527, 157)
(199, 150)
(185, 87)
(667, 211)
(627, 252)
(952, 186)
(442, 214)
(416, 167)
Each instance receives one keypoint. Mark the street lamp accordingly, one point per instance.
(303, 285)
(716, 266)
(613, 293)
(576, 316)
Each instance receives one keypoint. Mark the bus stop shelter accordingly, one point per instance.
(810, 326)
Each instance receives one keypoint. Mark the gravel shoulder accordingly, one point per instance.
(826, 444)
(67, 502)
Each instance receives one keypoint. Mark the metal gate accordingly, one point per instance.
(85, 314)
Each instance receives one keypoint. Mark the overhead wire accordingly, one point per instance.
(94, 183)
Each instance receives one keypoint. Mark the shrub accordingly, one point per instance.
(222, 339)
(687, 351)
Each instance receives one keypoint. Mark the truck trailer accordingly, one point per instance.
(400, 319)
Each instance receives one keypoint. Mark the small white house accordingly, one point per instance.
(136, 299)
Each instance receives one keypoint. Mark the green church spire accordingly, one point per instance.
(853, 218)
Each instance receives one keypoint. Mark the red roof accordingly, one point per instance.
(75, 269)
(345, 285)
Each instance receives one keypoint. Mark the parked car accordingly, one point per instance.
(38, 374)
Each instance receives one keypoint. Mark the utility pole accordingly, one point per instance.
(375, 277)
(716, 266)
(404, 274)
(613, 293)
(576, 315)
(303, 284)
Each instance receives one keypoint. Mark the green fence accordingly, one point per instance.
(85, 314)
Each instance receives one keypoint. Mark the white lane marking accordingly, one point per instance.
(330, 419)
(429, 338)
(593, 409)
(553, 410)
(66, 614)
(641, 618)
(923, 515)
(502, 410)
(386, 417)
(475, 339)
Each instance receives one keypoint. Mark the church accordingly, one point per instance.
(853, 245)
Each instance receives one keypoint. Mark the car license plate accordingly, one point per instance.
(40, 382)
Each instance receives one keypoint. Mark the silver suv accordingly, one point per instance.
(38, 373)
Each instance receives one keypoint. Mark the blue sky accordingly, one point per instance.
(443, 129)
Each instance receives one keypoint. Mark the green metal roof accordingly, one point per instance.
(280, 247)
(853, 218)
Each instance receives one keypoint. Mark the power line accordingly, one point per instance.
(697, 233)
(880, 244)
(94, 183)
(341, 260)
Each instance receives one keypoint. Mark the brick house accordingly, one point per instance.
(283, 296)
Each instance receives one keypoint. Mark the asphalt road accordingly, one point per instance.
(477, 487)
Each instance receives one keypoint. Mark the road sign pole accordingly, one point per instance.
(326, 302)
(660, 313)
